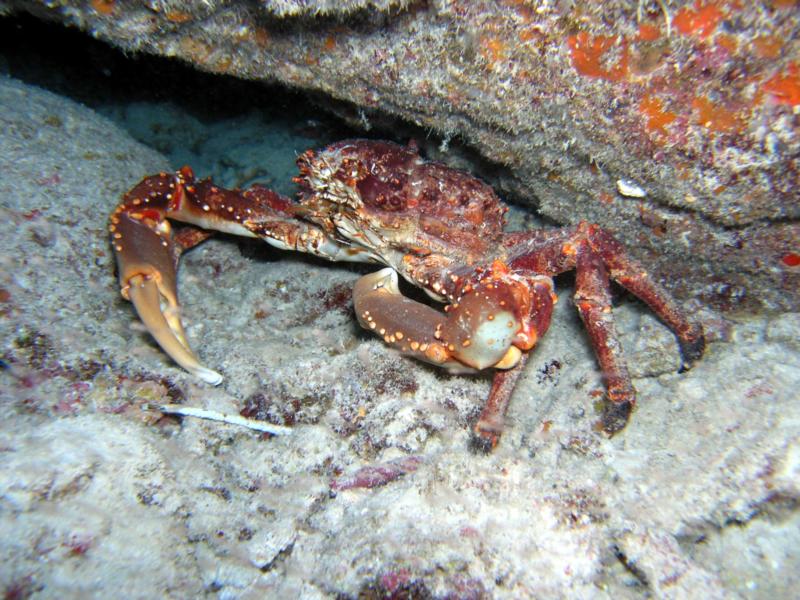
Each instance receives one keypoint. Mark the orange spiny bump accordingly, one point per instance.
(436, 353)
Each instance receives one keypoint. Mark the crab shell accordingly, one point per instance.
(384, 197)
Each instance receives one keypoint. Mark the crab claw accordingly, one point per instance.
(149, 296)
(403, 323)
(482, 330)
(146, 259)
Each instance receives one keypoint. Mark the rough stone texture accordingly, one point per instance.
(693, 103)
(294, 8)
(698, 497)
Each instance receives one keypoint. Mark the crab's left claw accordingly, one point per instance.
(147, 256)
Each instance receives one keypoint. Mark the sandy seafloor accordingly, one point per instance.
(102, 497)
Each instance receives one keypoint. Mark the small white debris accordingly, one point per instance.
(212, 415)
(629, 189)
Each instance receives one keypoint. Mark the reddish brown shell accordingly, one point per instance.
(396, 186)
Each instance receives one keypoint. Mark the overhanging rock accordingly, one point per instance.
(675, 124)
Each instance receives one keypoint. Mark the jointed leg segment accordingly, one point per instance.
(598, 258)
(490, 424)
(593, 300)
(147, 249)
(633, 277)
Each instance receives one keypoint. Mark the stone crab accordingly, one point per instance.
(439, 228)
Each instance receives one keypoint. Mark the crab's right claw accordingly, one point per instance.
(147, 257)
(160, 316)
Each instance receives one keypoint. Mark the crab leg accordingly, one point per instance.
(490, 423)
(633, 277)
(593, 299)
(598, 257)
(147, 250)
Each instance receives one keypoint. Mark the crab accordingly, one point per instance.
(438, 228)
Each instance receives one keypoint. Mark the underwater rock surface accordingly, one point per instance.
(674, 124)
(376, 491)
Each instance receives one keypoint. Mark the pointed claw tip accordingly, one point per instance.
(482, 443)
(692, 350)
(616, 416)
(486, 434)
(207, 375)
